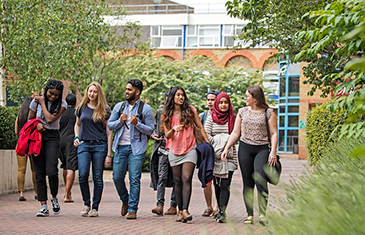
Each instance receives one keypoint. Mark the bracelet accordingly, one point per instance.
(76, 138)
(172, 129)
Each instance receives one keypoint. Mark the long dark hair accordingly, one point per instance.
(187, 113)
(56, 105)
(258, 94)
(23, 113)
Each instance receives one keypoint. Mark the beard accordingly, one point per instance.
(132, 96)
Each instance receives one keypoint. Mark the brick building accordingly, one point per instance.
(178, 35)
(177, 32)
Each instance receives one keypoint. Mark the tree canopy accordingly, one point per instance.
(197, 75)
(277, 24)
(60, 40)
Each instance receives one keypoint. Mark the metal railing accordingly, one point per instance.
(170, 8)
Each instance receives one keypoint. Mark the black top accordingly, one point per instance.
(91, 130)
(67, 123)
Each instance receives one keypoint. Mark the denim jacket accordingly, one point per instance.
(139, 145)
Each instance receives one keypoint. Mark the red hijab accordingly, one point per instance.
(220, 117)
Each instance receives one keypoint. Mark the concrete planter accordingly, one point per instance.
(9, 172)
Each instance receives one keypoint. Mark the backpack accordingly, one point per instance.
(204, 117)
(140, 115)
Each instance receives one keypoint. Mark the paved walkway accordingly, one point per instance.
(19, 217)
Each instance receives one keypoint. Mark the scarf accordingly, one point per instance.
(220, 117)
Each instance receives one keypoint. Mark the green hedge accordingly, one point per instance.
(147, 160)
(320, 124)
(329, 200)
(7, 121)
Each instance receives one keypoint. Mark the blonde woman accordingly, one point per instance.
(94, 141)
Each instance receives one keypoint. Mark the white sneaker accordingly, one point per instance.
(43, 212)
(85, 211)
(55, 206)
(94, 213)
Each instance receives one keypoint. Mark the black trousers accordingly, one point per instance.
(222, 190)
(252, 159)
(46, 164)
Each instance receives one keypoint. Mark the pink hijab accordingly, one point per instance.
(220, 117)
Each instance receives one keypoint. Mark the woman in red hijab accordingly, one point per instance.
(218, 127)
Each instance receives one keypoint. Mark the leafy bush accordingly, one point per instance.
(147, 160)
(328, 200)
(320, 124)
(7, 121)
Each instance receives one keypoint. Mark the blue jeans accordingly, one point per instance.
(95, 152)
(123, 158)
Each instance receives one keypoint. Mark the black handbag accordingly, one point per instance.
(272, 172)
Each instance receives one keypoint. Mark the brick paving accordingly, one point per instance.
(19, 217)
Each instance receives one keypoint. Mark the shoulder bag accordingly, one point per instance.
(272, 172)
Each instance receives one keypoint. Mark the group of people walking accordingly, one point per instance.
(175, 152)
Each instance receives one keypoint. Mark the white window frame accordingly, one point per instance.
(215, 37)
(235, 30)
(164, 39)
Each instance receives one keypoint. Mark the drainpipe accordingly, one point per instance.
(184, 42)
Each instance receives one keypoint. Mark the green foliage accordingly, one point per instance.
(59, 39)
(321, 122)
(7, 121)
(354, 102)
(329, 200)
(337, 37)
(281, 25)
(147, 159)
(197, 75)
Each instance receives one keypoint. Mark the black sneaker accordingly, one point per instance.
(221, 218)
(43, 212)
(55, 206)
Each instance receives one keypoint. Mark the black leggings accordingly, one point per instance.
(222, 193)
(183, 175)
(252, 158)
(46, 164)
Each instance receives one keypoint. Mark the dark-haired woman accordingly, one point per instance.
(218, 127)
(68, 152)
(21, 119)
(48, 108)
(254, 153)
(177, 120)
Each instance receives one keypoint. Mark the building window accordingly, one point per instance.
(203, 36)
(293, 86)
(166, 36)
(229, 32)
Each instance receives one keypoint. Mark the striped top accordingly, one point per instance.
(212, 129)
(253, 126)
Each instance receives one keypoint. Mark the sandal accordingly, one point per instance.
(248, 220)
(207, 212)
(215, 213)
(263, 221)
(68, 201)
